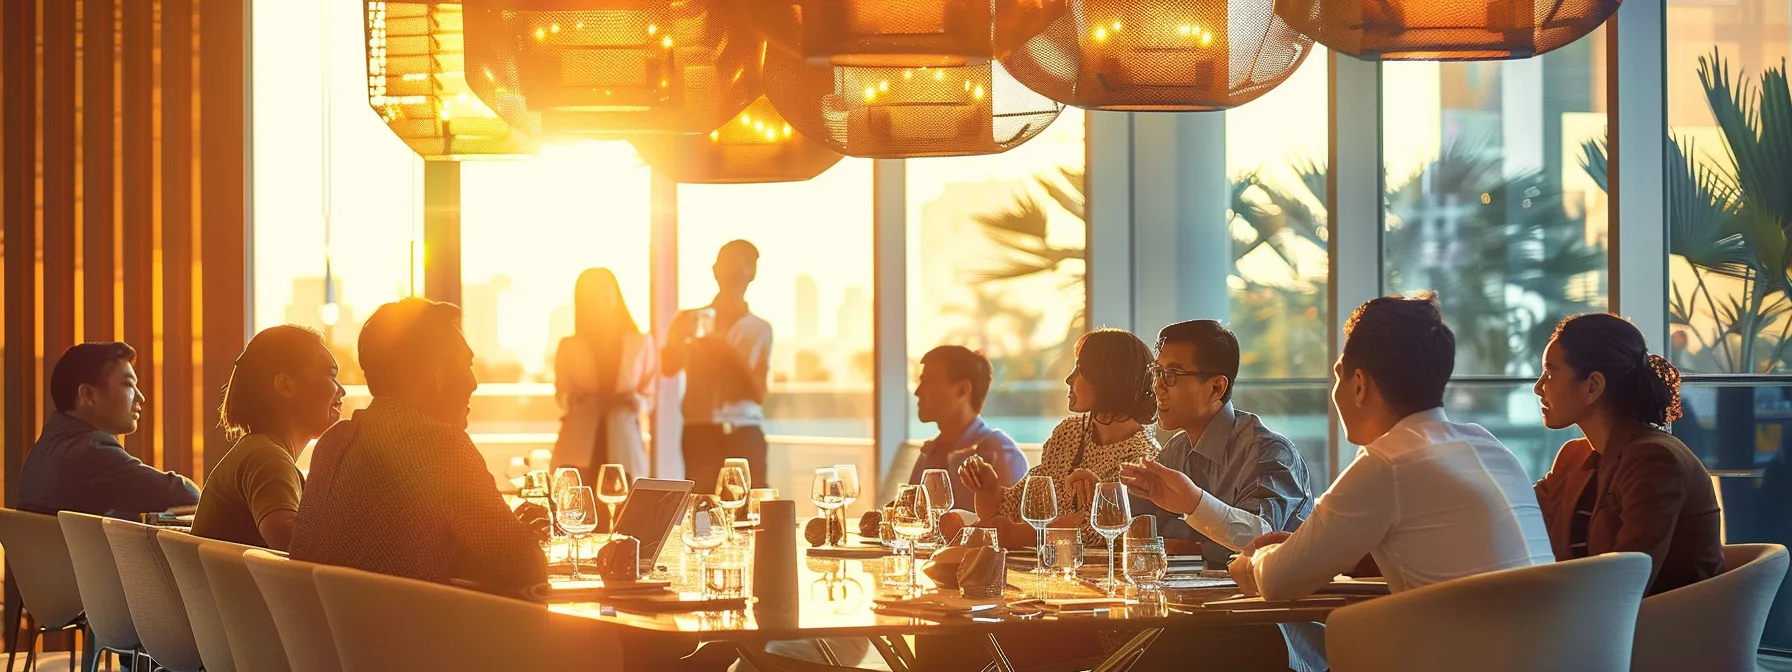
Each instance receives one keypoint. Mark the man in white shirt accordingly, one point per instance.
(725, 352)
(1430, 500)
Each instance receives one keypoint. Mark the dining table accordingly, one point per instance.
(843, 594)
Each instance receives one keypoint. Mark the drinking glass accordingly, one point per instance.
(849, 482)
(910, 519)
(1038, 506)
(754, 498)
(825, 492)
(1146, 563)
(612, 489)
(518, 466)
(1110, 517)
(731, 489)
(565, 479)
(1064, 550)
(937, 483)
(705, 526)
(578, 516)
(746, 470)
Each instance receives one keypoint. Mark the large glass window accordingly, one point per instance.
(996, 264)
(1728, 304)
(528, 229)
(1276, 158)
(1491, 203)
(814, 287)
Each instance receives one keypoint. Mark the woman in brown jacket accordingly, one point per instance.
(1629, 485)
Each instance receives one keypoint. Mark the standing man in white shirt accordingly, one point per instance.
(725, 351)
(1430, 500)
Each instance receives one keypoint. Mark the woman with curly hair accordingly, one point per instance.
(1113, 405)
(1628, 485)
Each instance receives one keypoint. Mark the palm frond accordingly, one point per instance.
(1025, 218)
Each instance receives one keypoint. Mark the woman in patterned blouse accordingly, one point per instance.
(1113, 405)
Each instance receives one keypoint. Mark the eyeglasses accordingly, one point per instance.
(1167, 377)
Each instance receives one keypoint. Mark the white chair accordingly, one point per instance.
(182, 552)
(254, 639)
(389, 623)
(292, 601)
(155, 599)
(1713, 625)
(1575, 616)
(44, 573)
(102, 592)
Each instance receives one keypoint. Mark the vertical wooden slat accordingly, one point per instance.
(137, 202)
(97, 158)
(18, 160)
(178, 381)
(58, 182)
(224, 199)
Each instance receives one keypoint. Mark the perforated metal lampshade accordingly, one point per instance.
(610, 68)
(757, 146)
(1445, 30)
(416, 82)
(1160, 55)
(906, 112)
(898, 33)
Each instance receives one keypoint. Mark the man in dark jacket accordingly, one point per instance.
(78, 463)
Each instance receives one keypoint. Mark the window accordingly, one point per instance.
(1490, 204)
(814, 287)
(1276, 158)
(528, 229)
(996, 264)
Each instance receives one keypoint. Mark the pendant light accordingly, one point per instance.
(416, 82)
(757, 146)
(890, 113)
(897, 33)
(610, 68)
(1445, 30)
(1160, 55)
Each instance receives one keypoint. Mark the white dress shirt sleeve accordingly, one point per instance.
(1228, 526)
(1347, 523)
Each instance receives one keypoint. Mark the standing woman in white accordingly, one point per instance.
(604, 379)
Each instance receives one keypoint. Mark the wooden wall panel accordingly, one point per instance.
(179, 384)
(18, 120)
(224, 205)
(58, 164)
(137, 204)
(99, 193)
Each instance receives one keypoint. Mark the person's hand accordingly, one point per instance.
(682, 325)
(1269, 539)
(1069, 521)
(1168, 488)
(980, 476)
(1242, 570)
(535, 516)
(1081, 486)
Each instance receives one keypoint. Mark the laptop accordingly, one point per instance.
(654, 507)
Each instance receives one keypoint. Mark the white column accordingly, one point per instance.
(1181, 248)
(889, 243)
(668, 416)
(1637, 131)
(1354, 202)
(1107, 186)
(1521, 115)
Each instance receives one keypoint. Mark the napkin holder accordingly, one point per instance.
(984, 572)
(774, 554)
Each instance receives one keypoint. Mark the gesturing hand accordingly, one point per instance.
(1168, 488)
(535, 516)
(1081, 485)
(1242, 570)
(980, 476)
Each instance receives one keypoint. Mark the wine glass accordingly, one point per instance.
(731, 489)
(1110, 517)
(578, 516)
(849, 483)
(746, 470)
(1038, 506)
(937, 483)
(1065, 546)
(705, 527)
(827, 495)
(612, 489)
(910, 519)
(565, 479)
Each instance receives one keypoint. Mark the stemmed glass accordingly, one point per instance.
(612, 489)
(1038, 506)
(827, 494)
(746, 470)
(911, 518)
(849, 489)
(731, 489)
(705, 528)
(937, 483)
(578, 516)
(1110, 517)
(565, 479)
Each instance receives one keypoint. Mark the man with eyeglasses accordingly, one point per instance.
(1239, 480)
